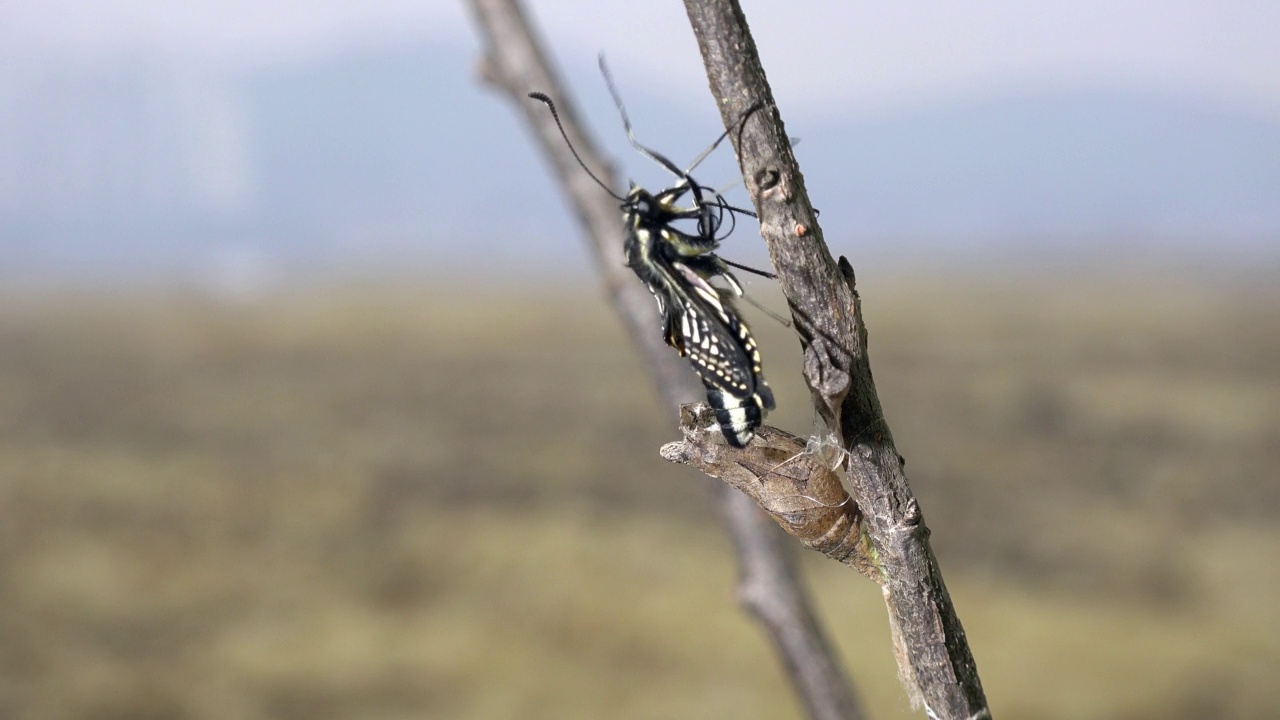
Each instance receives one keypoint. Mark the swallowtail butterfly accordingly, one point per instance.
(677, 264)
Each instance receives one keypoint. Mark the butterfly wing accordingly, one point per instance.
(702, 326)
(723, 352)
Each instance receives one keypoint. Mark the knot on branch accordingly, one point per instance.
(794, 484)
(826, 367)
(767, 179)
(846, 271)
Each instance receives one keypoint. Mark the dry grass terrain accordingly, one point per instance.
(380, 502)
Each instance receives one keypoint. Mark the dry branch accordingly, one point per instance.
(934, 661)
(769, 586)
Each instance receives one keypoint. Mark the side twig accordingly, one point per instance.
(769, 586)
(934, 661)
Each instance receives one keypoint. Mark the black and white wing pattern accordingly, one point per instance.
(722, 350)
(702, 324)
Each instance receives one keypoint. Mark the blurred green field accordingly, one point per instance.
(381, 501)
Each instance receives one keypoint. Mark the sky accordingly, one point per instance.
(874, 55)
(171, 132)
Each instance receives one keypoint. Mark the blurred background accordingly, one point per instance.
(310, 405)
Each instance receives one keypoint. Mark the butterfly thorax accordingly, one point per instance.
(656, 216)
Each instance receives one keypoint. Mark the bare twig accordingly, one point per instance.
(934, 661)
(769, 586)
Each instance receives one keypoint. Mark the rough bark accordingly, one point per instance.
(934, 661)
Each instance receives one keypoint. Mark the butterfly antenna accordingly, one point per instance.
(698, 160)
(542, 97)
(703, 156)
(626, 123)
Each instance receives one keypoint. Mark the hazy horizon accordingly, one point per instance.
(136, 142)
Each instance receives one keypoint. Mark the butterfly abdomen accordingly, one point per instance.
(739, 417)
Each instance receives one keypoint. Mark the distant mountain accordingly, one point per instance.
(1071, 163)
(398, 156)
